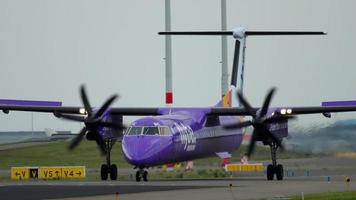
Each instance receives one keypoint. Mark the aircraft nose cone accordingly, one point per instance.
(144, 150)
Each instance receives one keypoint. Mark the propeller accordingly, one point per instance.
(93, 121)
(260, 121)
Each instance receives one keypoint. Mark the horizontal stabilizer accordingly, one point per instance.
(247, 33)
(338, 103)
(196, 33)
(285, 33)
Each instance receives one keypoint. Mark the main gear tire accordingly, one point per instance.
(270, 172)
(104, 172)
(113, 172)
(279, 172)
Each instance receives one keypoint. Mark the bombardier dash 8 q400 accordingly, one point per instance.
(177, 134)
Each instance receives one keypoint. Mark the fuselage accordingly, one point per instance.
(180, 136)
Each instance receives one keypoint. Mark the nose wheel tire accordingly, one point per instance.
(144, 176)
(138, 176)
(104, 172)
(141, 174)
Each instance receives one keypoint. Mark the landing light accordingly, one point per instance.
(289, 111)
(82, 111)
(283, 111)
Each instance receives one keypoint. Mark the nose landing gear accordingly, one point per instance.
(141, 174)
(274, 168)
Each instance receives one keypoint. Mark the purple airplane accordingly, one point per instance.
(172, 134)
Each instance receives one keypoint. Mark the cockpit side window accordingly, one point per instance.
(164, 131)
(150, 130)
(134, 130)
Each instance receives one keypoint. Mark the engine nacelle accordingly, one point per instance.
(279, 130)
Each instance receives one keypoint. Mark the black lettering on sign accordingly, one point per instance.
(33, 173)
(71, 173)
(45, 172)
(65, 173)
(23, 173)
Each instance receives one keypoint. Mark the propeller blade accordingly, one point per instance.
(278, 119)
(85, 100)
(105, 106)
(72, 117)
(266, 103)
(238, 125)
(251, 146)
(246, 105)
(101, 144)
(77, 139)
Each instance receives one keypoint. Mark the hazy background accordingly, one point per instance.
(49, 48)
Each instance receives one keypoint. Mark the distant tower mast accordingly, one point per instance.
(224, 68)
(168, 58)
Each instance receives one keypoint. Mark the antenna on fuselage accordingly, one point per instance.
(240, 34)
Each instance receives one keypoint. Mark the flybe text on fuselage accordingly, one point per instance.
(186, 136)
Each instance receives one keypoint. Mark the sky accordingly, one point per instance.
(49, 48)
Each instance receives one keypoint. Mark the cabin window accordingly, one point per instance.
(134, 130)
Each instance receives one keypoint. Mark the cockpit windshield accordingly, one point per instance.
(134, 130)
(148, 130)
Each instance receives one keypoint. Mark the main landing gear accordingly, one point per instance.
(274, 168)
(141, 174)
(108, 168)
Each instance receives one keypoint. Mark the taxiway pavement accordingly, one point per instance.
(241, 188)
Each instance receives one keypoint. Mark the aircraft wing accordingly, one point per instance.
(78, 110)
(321, 109)
(291, 110)
(142, 111)
(219, 111)
(128, 111)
